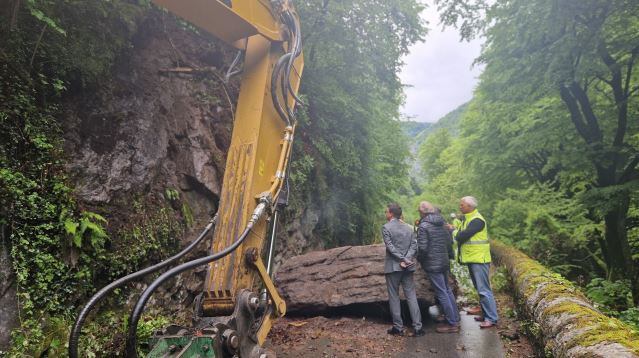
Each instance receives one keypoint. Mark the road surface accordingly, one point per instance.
(353, 337)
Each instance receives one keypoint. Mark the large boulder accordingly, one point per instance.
(347, 276)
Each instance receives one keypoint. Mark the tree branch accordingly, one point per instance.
(575, 114)
(35, 50)
(618, 91)
(604, 80)
(586, 109)
(631, 63)
(629, 170)
(320, 19)
(13, 22)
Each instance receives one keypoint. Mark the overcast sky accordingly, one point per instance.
(439, 71)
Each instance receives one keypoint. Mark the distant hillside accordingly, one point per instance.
(412, 128)
(450, 121)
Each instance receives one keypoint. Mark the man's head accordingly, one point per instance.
(467, 204)
(426, 208)
(393, 210)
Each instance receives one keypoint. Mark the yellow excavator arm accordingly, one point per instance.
(235, 312)
(268, 34)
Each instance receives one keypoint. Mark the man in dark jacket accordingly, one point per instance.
(398, 268)
(435, 251)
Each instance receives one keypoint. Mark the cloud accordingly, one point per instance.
(439, 71)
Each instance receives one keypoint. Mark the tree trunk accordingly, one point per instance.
(348, 276)
(619, 255)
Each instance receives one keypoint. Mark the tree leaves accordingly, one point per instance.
(552, 110)
(351, 148)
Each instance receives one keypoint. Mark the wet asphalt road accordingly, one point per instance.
(350, 338)
(471, 342)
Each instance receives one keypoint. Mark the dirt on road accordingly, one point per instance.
(361, 337)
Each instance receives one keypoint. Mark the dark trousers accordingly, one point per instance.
(445, 296)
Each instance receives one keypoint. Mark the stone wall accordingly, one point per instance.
(564, 321)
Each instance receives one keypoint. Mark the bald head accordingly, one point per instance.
(426, 208)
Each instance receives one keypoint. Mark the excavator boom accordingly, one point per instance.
(234, 313)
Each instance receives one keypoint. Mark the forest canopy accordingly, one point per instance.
(549, 143)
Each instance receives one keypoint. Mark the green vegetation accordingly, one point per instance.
(350, 151)
(412, 129)
(548, 144)
(58, 248)
(562, 300)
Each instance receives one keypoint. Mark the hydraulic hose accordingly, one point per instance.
(134, 318)
(286, 62)
(296, 52)
(274, 79)
(74, 337)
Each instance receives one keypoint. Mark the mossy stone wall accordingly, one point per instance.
(567, 323)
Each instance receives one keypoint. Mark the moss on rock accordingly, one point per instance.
(570, 326)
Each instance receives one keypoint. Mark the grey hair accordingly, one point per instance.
(426, 207)
(470, 200)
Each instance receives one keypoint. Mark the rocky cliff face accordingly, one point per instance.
(148, 130)
(145, 134)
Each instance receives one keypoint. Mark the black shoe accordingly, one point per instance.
(395, 332)
(419, 333)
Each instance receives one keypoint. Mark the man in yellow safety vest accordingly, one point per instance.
(474, 251)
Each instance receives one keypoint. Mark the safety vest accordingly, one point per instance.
(477, 249)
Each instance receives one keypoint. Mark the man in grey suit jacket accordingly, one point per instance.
(401, 247)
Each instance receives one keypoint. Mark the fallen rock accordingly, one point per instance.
(343, 277)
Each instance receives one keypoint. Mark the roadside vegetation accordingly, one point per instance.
(549, 143)
(349, 150)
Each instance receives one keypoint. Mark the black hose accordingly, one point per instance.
(79, 322)
(134, 318)
(284, 78)
(296, 52)
(274, 79)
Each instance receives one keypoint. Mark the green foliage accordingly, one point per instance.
(547, 144)
(430, 153)
(548, 225)
(39, 337)
(32, 5)
(350, 154)
(631, 317)
(610, 297)
(66, 41)
(148, 325)
(88, 227)
(499, 280)
(412, 129)
(37, 207)
(103, 335)
(48, 49)
(152, 232)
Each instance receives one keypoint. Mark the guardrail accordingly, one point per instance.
(564, 321)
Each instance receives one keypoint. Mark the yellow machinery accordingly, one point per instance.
(235, 312)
